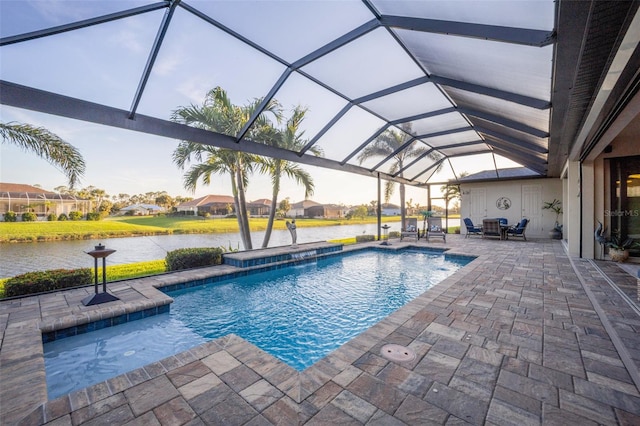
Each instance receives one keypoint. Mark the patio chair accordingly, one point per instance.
(491, 228)
(434, 228)
(410, 229)
(471, 228)
(519, 229)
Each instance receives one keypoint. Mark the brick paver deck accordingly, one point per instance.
(522, 335)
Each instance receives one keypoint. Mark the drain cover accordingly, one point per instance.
(397, 353)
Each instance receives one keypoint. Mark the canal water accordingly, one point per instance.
(18, 258)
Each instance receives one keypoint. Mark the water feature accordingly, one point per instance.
(303, 255)
(298, 314)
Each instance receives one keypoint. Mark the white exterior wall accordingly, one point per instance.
(519, 193)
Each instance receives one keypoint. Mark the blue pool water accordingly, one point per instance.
(298, 314)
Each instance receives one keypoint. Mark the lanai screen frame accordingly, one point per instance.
(480, 108)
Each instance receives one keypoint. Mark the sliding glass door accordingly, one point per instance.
(625, 198)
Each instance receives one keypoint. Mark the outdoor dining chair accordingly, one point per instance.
(491, 228)
(519, 229)
(471, 228)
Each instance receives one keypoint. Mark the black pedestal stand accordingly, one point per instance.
(100, 253)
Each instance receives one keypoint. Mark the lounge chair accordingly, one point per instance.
(491, 228)
(471, 228)
(410, 230)
(434, 228)
(519, 229)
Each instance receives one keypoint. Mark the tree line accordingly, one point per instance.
(106, 204)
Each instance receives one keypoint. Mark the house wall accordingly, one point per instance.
(572, 199)
(330, 213)
(480, 200)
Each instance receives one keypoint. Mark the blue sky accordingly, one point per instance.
(103, 64)
(119, 161)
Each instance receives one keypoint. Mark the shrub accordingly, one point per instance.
(75, 215)
(10, 217)
(38, 282)
(63, 217)
(29, 217)
(51, 217)
(193, 257)
(394, 234)
(365, 238)
(93, 216)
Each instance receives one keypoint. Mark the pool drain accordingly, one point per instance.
(397, 353)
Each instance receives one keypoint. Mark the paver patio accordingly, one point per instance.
(522, 335)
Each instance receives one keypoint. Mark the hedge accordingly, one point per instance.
(10, 216)
(41, 281)
(29, 217)
(75, 215)
(193, 258)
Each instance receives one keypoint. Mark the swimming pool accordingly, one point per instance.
(298, 314)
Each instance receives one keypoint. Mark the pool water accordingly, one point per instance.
(298, 314)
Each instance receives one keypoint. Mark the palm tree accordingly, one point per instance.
(218, 114)
(289, 138)
(452, 192)
(46, 145)
(388, 143)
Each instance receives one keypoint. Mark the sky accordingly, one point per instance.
(123, 162)
(103, 64)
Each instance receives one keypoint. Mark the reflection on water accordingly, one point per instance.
(19, 258)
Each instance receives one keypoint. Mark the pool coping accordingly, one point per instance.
(22, 356)
(311, 392)
(77, 325)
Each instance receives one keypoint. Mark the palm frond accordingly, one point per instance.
(48, 146)
(301, 176)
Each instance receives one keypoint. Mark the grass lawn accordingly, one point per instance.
(129, 226)
(142, 225)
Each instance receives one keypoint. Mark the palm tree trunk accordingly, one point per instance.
(236, 202)
(243, 209)
(272, 212)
